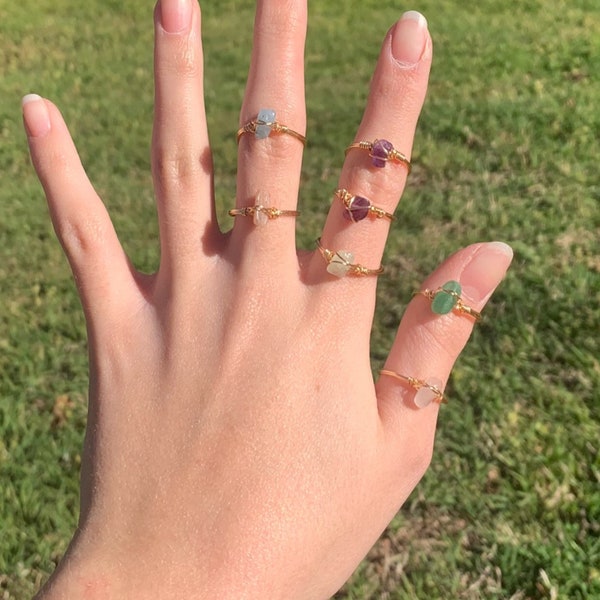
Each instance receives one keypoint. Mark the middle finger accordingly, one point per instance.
(269, 167)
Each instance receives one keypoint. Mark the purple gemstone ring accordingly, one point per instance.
(357, 208)
(381, 151)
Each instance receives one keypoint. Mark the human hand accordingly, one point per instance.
(237, 446)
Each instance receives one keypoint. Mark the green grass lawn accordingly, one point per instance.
(507, 149)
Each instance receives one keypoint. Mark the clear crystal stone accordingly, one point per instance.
(260, 217)
(264, 121)
(339, 265)
(425, 396)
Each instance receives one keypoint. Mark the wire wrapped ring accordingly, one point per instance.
(447, 298)
(340, 263)
(427, 391)
(381, 151)
(265, 124)
(358, 207)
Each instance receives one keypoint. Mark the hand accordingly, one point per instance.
(237, 446)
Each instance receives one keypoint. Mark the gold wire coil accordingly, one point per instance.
(340, 263)
(349, 199)
(268, 124)
(418, 384)
(391, 154)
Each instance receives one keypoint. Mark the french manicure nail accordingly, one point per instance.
(485, 270)
(35, 115)
(175, 15)
(409, 38)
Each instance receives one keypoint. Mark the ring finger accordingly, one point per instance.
(395, 100)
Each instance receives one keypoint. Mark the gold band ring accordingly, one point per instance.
(427, 391)
(381, 151)
(340, 263)
(262, 212)
(447, 298)
(265, 124)
(358, 207)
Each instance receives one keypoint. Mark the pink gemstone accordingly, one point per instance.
(380, 152)
(357, 209)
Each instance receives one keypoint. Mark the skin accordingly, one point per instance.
(237, 445)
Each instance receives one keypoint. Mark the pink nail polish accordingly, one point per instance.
(409, 38)
(485, 270)
(175, 15)
(35, 115)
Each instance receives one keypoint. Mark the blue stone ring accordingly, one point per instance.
(381, 151)
(265, 124)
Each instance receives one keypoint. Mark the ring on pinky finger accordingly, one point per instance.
(428, 391)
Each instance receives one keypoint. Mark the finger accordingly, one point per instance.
(181, 160)
(80, 219)
(269, 168)
(427, 346)
(395, 100)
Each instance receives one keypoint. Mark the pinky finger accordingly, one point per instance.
(427, 346)
(78, 215)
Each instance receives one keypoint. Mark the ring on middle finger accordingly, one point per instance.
(357, 208)
(265, 124)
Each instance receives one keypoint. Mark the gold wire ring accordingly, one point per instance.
(265, 124)
(381, 151)
(427, 391)
(261, 214)
(340, 263)
(447, 298)
(358, 207)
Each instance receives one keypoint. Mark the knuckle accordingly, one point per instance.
(184, 61)
(81, 236)
(174, 169)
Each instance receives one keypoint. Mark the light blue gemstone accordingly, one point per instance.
(264, 121)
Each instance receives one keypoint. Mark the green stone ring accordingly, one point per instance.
(447, 299)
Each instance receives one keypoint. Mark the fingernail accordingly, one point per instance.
(485, 270)
(175, 15)
(35, 115)
(409, 38)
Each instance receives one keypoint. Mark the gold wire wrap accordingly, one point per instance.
(346, 197)
(392, 155)
(459, 307)
(351, 268)
(417, 384)
(269, 211)
(276, 127)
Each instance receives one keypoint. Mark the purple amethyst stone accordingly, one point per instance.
(357, 209)
(380, 152)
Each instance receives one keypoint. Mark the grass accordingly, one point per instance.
(507, 149)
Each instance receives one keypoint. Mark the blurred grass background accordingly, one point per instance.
(507, 148)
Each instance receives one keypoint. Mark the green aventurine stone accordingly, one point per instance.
(445, 299)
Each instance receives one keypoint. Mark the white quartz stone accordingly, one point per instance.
(340, 263)
(262, 200)
(424, 397)
(260, 218)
